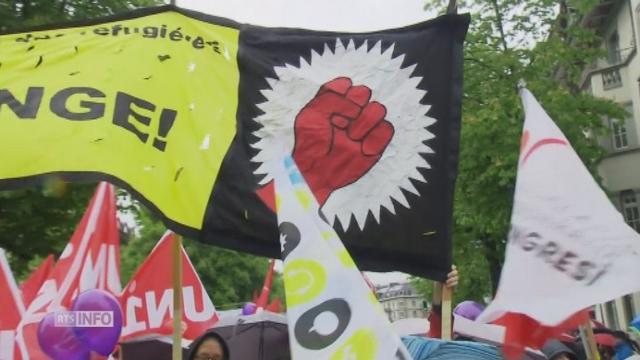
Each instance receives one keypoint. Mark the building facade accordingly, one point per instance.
(401, 301)
(617, 77)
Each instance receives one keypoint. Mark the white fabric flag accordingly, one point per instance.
(569, 248)
(332, 313)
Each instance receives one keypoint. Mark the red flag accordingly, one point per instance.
(12, 308)
(263, 300)
(10, 301)
(275, 306)
(147, 301)
(29, 288)
(91, 260)
(523, 331)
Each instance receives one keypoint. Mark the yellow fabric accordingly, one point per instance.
(173, 67)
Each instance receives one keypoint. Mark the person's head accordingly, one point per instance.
(606, 352)
(209, 346)
(469, 310)
(555, 350)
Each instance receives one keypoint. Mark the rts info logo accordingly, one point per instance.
(84, 319)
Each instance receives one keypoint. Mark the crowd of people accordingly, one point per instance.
(612, 345)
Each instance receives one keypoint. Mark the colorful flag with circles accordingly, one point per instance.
(332, 313)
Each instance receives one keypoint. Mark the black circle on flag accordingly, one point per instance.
(309, 336)
(291, 237)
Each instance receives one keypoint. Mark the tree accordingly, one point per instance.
(473, 268)
(37, 221)
(230, 277)
(509, 40)
(20, 13)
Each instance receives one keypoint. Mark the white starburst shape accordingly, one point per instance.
(391, 85)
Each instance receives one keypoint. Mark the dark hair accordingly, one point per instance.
(553, 348)
(209, 334)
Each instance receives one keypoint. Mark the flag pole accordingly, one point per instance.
(589, 340)
(447, 295)
(177, 297)
(452, 8)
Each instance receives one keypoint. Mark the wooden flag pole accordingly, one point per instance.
(177, 297)
(447, 295)
(589, 340)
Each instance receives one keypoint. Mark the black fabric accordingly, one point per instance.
(262, 340)
(416, 240)
(553, 348)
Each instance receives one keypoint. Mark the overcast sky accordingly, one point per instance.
(336, 15)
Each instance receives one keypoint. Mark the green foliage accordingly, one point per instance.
(39, 221)
(511, 40)
(230, 277)
(473, 270)
(16, 14)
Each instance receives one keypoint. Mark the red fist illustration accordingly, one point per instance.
(339, 136)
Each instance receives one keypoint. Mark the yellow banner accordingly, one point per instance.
(150, 101)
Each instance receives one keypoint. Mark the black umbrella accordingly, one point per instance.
(262, 336)
(157, 348)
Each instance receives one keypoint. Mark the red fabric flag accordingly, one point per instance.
(10, 301)
(91, 260)
(147, 301)
(12, 308)
(523, 331)
(263, 299)
(29, 288)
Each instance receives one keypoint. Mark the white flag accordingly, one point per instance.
(331, 311)
(569, 248)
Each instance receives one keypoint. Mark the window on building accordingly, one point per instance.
(630, 209)
(402, 315)
(613, 48)
(401, 303)
(619, 133)
(612, 315)
(637, 20)
(629, 310)
(611, 78)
